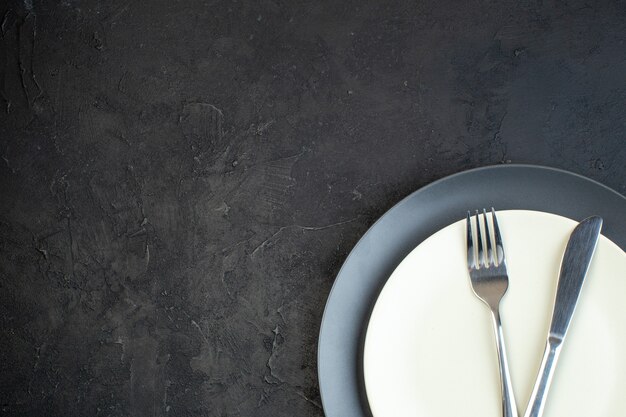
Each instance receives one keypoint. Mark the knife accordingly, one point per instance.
(574, 266)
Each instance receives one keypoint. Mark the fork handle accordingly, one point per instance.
(509, 407)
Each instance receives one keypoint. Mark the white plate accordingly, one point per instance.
(430, 350)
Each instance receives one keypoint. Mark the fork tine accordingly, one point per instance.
(471, 254)
(480, 262)
(496, 232)
(490, 259)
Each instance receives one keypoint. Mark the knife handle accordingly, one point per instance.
(537, 400)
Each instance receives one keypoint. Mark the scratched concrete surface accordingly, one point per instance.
(181, 180)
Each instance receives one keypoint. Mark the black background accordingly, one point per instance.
(181, 180)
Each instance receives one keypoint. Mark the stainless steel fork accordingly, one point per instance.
(487, 270)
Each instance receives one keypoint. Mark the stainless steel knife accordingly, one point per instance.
(574, 266)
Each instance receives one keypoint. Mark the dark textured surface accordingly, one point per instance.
(181, 181)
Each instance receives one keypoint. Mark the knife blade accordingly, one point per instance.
(574, 266)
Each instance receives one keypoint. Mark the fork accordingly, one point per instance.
(487, 270)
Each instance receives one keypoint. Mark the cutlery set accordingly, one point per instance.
(486, 264)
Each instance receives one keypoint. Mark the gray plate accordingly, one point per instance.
(410, 222)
